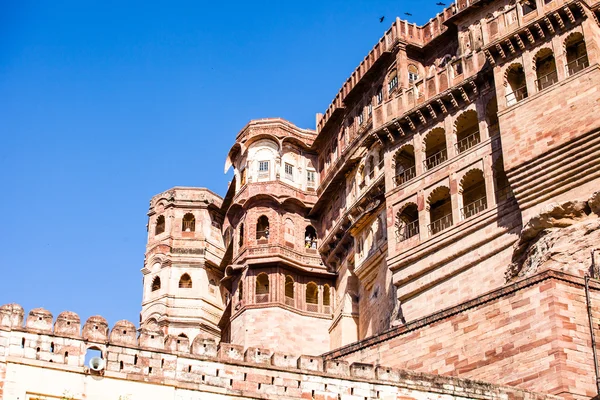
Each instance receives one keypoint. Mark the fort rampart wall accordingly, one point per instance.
(46, 360)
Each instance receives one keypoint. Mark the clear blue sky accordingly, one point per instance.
(105, 103)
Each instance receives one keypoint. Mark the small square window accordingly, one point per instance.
(393, 84)
(289, 171)
(263, 166)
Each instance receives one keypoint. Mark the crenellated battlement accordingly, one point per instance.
(226, 369)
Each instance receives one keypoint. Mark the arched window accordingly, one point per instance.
(326, 299)
(473, 193)
(326, 295)
(90, 353)
(188, 223)
(435, 148)
(577, 58)
(262, 228)
(467, 131)
(310, 238)
(404, 164)
(380, 233)
(262, 288)
(185, 282)
(312, 297)
(545, 68)
(371, 167)
(407, 222)
(241, 239)
(440, 210)
(516, 86)
(156, 284)
(241, 290)
(289, 291)
(392, 81)
(413, 74)
(160, 225)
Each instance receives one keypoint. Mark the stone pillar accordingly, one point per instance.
(455, 198)
(450, 136)
(419, 148)
(480, 107)
(530, 73)
(488, 175)
(424, 219)
(560, 57)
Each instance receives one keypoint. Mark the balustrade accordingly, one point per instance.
(575, 66)
(474, 208)
(468, 142)
(405, 176)
(440, 224)
(546, 81)
(436, 159)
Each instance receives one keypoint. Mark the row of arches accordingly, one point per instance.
(262, 293)
(439, 207)
(545, 69)
(188, 224)
(185, 282)
(263, 233)
(435, 147)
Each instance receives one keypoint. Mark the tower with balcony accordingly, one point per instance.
(181, 271)
(281, 290)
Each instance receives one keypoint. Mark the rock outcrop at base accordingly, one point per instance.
(561, 237)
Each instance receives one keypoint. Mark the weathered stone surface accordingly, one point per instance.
(560, 237)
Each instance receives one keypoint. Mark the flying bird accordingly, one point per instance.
(440, 4)
(409, 14)
(381, 19)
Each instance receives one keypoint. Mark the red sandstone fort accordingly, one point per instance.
(436, 237)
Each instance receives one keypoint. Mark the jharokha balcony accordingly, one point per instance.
(264, 252)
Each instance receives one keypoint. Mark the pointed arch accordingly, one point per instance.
(185, 282)
(312, 297)
(576, 51)
(473, 192)
(435, 148)
(466, 127)
(440, 210)
(262, 228)
(545, 68)
(404, 164)
(407, 222)
(289, 290)
(160, 225)
(262, 288)
(155, 284)
(188, 223)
